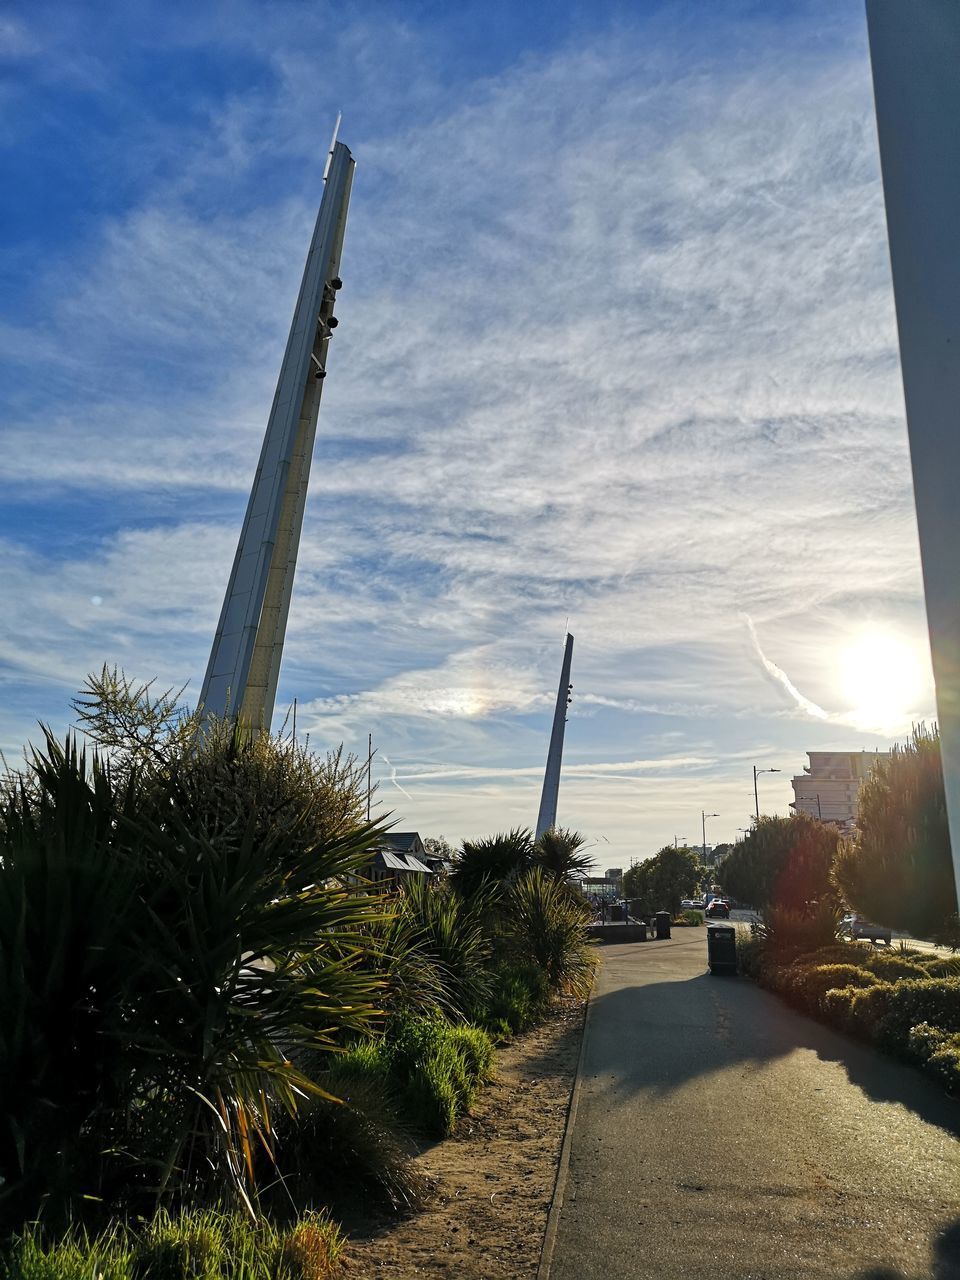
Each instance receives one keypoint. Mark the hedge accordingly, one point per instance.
(905, 1002)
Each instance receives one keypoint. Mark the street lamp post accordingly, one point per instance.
(756, 797)
(703, 820)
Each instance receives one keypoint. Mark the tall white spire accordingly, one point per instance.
(551, 779)
(244, 667)
(915, 52)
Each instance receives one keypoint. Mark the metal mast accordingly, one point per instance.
(915, 52)
(244, 667)
(551, 778)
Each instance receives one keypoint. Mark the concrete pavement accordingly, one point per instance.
(718, 1133)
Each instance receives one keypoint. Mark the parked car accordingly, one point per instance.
(860, 927)
(718, 907)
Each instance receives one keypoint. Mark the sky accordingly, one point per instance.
(616, 355)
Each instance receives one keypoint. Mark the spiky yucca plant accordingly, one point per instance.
(453, 936)
(70, 854)
(547, 927)
(559, 853)
(492, 862)
(164, 955)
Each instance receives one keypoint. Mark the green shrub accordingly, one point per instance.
(939, 1052)
(520, 997)
(749, 954)
(482, 865)
(412, 1040)
(836, 1007)
(807, 985)
(926, 1040)
(891, 965)
(859, 1010)
(689, 918)
(887, 1012)
(451, 934)
(188, 1247)
(547, 927)
(941, 967)
(430, 1096)
(933, 1000)
(839, 953)
(477, 1049)
(139, 1042)
(438, 1070)
(335, 1150)
(788, 933)
(775, 977)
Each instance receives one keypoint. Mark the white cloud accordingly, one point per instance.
(617, 344)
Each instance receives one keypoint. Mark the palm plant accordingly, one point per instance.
(245, 979)
(558, 853)
(454, 937)
(164, 956)
(254, 952)
(492, 862)
(548, 929)
(394, 951)
(69, 879)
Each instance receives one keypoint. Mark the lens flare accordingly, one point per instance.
(881, 678)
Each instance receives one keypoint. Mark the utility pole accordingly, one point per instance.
(369, 770)
(244, 666)
(756, 796)
(547, 817)
(703, 819)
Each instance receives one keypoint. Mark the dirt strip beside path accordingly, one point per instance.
(493, 1180)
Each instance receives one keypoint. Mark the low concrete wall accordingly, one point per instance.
(619, 932)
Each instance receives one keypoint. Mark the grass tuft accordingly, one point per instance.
(200, 1245)
(311, 1250)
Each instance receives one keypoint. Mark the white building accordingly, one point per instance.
(830, 784)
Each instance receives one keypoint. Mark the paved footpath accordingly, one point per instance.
(719, 1134)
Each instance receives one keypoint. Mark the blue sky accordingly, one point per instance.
(617, 347)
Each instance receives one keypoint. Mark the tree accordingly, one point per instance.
(233, 770)
(782, 862)
(129, 722)
(718, 853)
(661, 882)
(439, 847)
(898, 870)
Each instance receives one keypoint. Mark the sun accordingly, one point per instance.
(881, 678)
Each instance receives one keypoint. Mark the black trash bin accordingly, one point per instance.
(722, 948)
(663, 924)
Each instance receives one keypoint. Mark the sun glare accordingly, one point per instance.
(881, 679)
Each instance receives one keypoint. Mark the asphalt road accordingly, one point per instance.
(719, 1134)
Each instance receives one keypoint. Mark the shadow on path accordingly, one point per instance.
(660, 1035)
(946, 1260)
